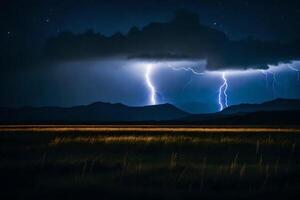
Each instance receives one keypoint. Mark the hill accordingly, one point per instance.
(96, 112)
(275, 105)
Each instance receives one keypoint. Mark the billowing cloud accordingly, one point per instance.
(183, 37)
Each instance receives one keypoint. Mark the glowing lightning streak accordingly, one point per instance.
(185, 69)
(266, 77)
(150, 85)
(188, 69)
(223, 89)
(273, 83)
(222, 97)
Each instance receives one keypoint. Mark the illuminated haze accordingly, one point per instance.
(176, 82)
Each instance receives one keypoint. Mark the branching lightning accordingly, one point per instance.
(222, 98)
(269, 74)
(187, 69)
(274, 81)
(222, 90)
(150, 85)
(265, 73)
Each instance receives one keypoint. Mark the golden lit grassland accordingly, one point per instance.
(168, 139)
(149, 165)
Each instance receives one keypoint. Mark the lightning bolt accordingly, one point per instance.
(149, 84)
(187, 69)
(266, 77)
(222, 90)
(269, 74)
(274, 81)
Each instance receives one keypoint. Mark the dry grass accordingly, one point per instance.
(149, 165)
(169, 139)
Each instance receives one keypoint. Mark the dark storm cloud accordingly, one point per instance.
(182, 37)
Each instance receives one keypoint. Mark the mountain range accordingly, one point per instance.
(275, 105)
(279, 111)
(96, 112)
(275, 112)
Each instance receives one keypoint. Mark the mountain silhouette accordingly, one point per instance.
(96, 112)
(195, 107)
(276, 112)
(260, 118)
(275, 105)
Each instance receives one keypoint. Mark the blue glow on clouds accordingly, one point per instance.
(186, 84)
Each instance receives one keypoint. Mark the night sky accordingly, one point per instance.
(189, 53)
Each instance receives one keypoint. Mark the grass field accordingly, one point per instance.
(171, 163)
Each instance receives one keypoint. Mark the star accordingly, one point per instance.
(8, 32)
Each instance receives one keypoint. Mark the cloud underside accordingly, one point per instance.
(184, 37)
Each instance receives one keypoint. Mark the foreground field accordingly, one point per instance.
(143, 163)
